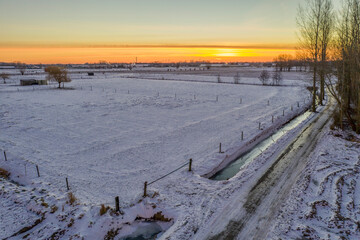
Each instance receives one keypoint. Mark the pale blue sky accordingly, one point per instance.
(232, 22)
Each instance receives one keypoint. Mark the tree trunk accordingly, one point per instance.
(314, 89)
(59, 85)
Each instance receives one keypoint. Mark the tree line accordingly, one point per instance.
(330, 41)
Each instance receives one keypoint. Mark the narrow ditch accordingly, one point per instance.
(235, 166)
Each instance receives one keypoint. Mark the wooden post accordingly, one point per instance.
(5, 156)
(272, 118)
(117, 206)
(38, 172)
(291, 108)
(240, 100)
(242, 135)
(220, 148)
(145, 187)
(298, 104)
(259, 125)
(190, 163)
(67, 184)
(283, 112)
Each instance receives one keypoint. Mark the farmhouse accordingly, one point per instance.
(27, 82)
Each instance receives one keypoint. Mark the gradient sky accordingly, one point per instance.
(85, 30)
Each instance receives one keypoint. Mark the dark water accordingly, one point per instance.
(146, 231)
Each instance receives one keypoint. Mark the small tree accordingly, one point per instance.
(4, 76)
(21, 66)
(237, 78)
(277, 78)
(264, 77)
(57, 74)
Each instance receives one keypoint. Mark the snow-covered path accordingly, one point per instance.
(260, 204)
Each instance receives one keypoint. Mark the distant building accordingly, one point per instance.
(28, 82)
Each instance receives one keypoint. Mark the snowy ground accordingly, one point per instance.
(325, 202)
(111, 133)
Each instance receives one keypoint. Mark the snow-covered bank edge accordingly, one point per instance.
(236, 153)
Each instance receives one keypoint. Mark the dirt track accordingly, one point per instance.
(252, 215)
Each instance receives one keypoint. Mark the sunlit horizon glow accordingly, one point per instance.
(42, 31)
(76, 55)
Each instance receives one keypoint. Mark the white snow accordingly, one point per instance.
(111, 133)
(324, 204)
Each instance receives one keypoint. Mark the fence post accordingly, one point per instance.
(240, 100)
(283, 112)
(220, 148)
(117, 206)
(145, 188)
(38, 173)
(298, 104)
(291, 108)
(272, 118)
(259, 125)
(190, 162)
(67, 184)
(242, 135)
(5, 156)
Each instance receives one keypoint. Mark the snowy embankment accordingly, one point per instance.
(108, 135)
(324, 204)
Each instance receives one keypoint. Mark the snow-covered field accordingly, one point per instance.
(109, 134)
(324, 204)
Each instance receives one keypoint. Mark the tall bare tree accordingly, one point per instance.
(326, 34)
(309, 22)
(346, 90)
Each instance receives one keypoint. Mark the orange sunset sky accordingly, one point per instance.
(42, 31)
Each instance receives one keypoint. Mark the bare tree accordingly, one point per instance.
(21, 66)
(326, 34)
(346, 90)
(4, 76)
(277, 78)
(57, 74)
(264, 77)
(309, 21)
